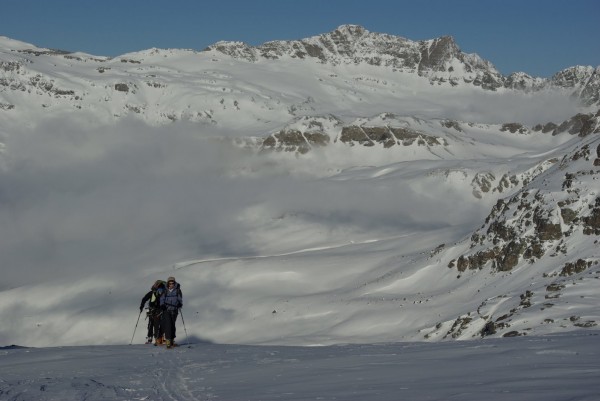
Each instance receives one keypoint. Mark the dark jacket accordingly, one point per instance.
(172, 299)
(153, 295)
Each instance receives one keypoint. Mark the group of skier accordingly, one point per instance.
(164, 301)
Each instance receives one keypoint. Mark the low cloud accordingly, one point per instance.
(76, 200)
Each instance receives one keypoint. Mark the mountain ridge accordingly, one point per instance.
(347, 187)
(439, 59)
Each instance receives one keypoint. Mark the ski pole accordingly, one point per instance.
(136, 324)
(184, 329)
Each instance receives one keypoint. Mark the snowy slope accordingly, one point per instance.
(557, 367)
(227, 91)
(299, 200)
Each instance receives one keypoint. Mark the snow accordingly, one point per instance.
(324, 275)
(557, 367)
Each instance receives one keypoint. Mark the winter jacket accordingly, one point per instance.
(172, 299)
(153, 296)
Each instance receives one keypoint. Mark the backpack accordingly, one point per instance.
(157, 289)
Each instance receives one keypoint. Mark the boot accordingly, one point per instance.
(169, 344)
(159, 341)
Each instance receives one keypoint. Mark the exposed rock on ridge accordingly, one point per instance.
(536, 221)
(352, 44)
(440, 60)
(555, 217)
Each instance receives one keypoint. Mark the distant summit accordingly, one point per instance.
(271, 85)
(440, 60)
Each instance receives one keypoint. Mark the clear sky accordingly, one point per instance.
(540, 37)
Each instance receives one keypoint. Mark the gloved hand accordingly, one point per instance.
(141, 308)
(179, 305)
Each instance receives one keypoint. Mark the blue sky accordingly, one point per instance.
(534, 36)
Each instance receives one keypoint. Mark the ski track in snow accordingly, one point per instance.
(554, 367)
(183, 265)
(174, 382)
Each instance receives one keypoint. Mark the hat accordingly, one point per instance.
(171, 279)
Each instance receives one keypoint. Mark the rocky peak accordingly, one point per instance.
(437, 52)
(440, 60)
(349, 33)
(238, 50)
(353, 44)
(572, 76)
(524, 82)
(584, 81)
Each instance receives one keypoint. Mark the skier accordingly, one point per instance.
(154, 312)
(170, 302)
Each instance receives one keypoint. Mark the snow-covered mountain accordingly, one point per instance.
(349, 187)
(440, 60)
(347, 67)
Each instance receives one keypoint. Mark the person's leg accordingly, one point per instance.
(169, 326)
(166, 324)
(156, 321)
(175, 314)
(150, 327)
